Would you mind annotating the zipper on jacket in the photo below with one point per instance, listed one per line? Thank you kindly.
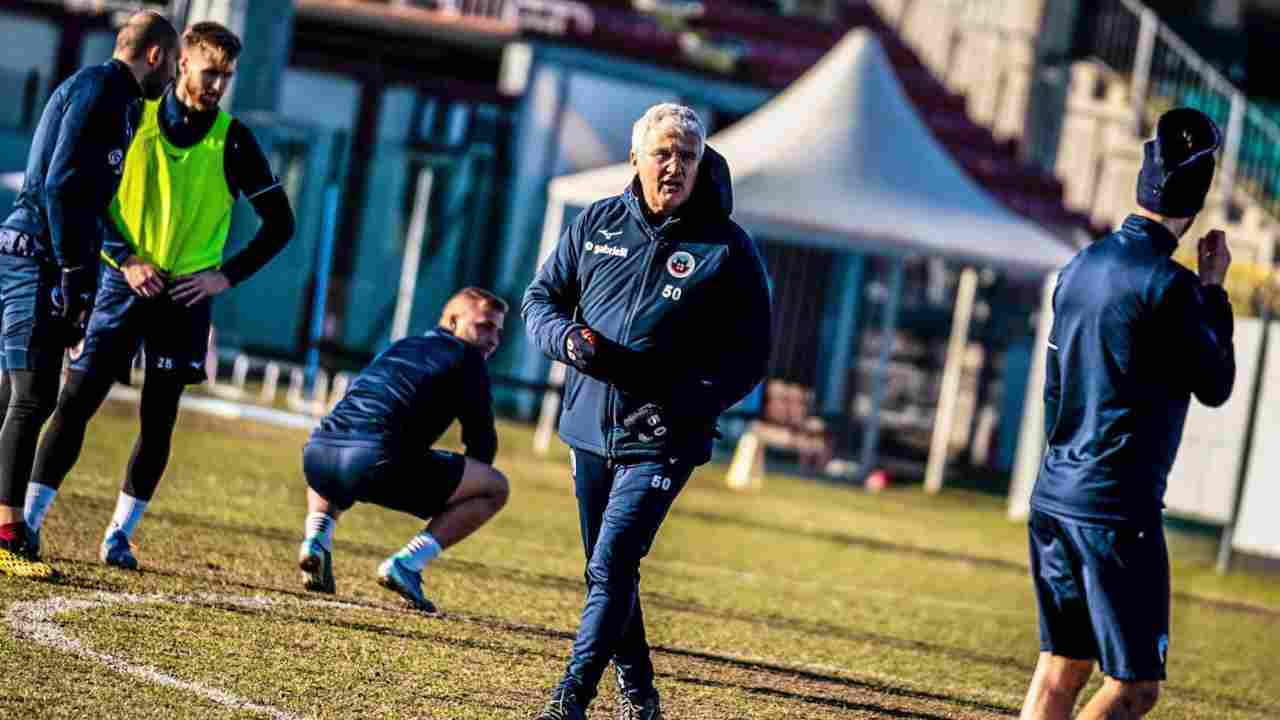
(626, 331)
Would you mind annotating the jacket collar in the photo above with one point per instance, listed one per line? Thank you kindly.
(1136, 227)
(124, 77)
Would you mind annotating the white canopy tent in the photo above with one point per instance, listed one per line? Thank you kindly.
(842, 160)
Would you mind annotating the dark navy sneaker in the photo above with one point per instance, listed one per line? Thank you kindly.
(635, 704)
(316, 564)
(115, 550)
(564, 705)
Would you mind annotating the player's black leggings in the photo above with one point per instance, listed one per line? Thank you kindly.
(80, 400)
(27, 398)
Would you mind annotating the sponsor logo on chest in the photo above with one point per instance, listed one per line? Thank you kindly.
(601, 249)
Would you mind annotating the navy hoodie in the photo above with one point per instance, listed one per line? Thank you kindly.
(1134, 336)
(413, 391)
(688, 298)
(76, 162)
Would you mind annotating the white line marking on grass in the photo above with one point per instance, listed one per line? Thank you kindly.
(37, 621)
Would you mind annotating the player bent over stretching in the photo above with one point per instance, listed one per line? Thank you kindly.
(375, 446)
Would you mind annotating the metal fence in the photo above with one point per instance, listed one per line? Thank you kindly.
(1166, 72)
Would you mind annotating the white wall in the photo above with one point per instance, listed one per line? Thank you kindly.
(1203, 482)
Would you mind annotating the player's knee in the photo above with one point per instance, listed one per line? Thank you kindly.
(611, 570)
(28, 403)
(1140, 698)
(1068, 679)
(499, 489)
(76, 402)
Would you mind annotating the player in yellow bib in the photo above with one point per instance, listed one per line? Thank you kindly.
(163, 265)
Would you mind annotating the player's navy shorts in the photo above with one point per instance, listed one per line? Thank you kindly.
(346, 470)
(32, 336)
(174, 337)
(1103, 594)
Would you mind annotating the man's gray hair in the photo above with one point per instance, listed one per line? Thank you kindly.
(664, 115)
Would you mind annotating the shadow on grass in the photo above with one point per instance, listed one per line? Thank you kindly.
(812, 628)
(848, 540)
(831, 702)
(783, 672)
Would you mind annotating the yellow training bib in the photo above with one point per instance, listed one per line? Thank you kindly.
(173, 206)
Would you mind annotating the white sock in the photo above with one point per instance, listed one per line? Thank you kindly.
(422, 549)
(128, 513)
(39, 500)
(320, 527)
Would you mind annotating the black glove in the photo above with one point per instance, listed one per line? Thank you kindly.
(588, 350)
(72, 300)
(646, 422)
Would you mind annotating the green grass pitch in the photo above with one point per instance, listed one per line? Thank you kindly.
(803, 600)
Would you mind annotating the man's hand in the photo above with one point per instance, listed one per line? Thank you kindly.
(647, 422)
(584, 347)
(144, 278)
(1215, 258)
(72, 300)
(192, 289)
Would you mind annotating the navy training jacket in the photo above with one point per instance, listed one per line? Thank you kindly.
(690, 298)
(1134, 335)
(75, 164)
(412, 391)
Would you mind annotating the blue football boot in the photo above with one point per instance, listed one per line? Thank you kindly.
(394, 576)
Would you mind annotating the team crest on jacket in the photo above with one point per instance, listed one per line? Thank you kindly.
(681, 264)
(114, 158)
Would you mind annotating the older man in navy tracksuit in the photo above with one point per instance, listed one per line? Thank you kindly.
(49, 247)
(1135, 335)
(660, 304)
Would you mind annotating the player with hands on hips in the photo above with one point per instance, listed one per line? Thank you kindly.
(163, 265)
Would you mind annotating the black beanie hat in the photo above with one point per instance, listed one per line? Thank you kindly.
(1178, 163)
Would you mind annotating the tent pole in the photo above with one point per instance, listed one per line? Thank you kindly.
(889, 328)
(531, 362)
(413, 240)
(1031, 439)
(952, 370)
(840, 355)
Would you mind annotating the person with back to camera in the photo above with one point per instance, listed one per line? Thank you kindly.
(1135, 335)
